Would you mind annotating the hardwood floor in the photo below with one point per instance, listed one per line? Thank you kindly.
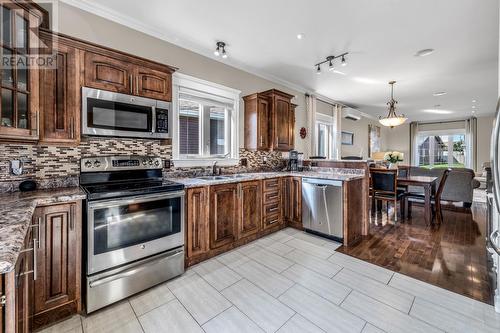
(452, 256)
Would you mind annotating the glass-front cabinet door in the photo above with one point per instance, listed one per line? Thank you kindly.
(19, 74)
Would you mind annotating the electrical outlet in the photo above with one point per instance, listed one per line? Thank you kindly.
(16, 167)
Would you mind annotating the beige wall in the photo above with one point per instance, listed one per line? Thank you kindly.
(84, 25)
(360, 130)
(484, 129)
(398, 138)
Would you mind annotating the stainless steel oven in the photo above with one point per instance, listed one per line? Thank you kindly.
(124, 230)
(106, 113)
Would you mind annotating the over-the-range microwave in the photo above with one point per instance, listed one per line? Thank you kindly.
(106, 113)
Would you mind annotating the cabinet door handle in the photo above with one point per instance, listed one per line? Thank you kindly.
(39, 227)
(130, 79)
(137, 85)
(72, 128)
(273, 221)
(261, 140)
(36, 245)
(273, 209)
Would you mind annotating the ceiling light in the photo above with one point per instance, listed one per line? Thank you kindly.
(473, 101)
(343, 62)
(365, 80)
(392, 119)
(220, 49)
(473, 106)
(424, 53)
(330, 66)
(300, 36)
(439, 93)
(318, 69)
(437, 111)
(330, 60)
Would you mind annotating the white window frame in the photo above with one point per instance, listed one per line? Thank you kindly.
(445, 132)
(186, 82)
(328, 121)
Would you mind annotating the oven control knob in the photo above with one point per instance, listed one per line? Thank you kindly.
(150, 162)
(97, 163)
(88, 164)
(144, 162)
(157, 163)
(143, 246)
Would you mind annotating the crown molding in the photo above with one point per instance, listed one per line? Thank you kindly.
(130, 22)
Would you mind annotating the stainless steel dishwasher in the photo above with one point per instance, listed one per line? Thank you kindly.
(322, 207)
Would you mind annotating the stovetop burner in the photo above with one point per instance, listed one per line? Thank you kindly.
(122, 176)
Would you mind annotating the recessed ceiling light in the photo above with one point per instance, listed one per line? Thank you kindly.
(300, 36)
(438, 111)
(473, 106)
(439, 93)
(366, 80)
(473, 101)
(424, 52)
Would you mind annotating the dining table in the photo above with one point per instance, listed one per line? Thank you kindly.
(428, 184)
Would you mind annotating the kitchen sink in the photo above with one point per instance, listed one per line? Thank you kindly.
(212, 177)
(236, 176)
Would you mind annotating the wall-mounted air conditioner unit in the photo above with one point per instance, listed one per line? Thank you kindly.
(351, 114)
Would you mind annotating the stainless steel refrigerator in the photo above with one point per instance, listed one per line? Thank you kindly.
(493, 202)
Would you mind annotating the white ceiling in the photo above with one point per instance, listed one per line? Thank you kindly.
(381, 36)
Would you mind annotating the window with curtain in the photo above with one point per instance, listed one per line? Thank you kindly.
(206, 123)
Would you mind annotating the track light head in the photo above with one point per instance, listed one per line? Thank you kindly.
(318, 69)
(330, 66)
(343, 62)
(220, 49)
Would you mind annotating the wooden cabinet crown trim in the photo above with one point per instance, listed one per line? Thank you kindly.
(107, 51)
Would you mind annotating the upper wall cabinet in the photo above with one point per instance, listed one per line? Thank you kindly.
(269, 121)
(60, 93)
(126, 75)
(19, 79)
(106, 73)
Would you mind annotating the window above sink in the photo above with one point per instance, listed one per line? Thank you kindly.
(205, 124)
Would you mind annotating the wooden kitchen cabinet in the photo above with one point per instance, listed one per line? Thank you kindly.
(250, 220)
(292, 201)
(197, 232)
(224, 214)
(128, 76)
(57, 287)
(17, 289)
(153, 84)
(60, 94)
(107, 73)
(269, 121)
(257, 121)
(19, 82)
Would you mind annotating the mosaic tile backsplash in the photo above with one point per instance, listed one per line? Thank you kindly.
(52, 166)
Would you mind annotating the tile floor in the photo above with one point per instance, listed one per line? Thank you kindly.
(290, 282)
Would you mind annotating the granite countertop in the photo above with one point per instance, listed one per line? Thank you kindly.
(324, 174)
(16, 212)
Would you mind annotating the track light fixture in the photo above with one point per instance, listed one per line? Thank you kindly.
(220, 50)
(330, 60)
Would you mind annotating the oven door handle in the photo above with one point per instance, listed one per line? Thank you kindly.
(134, 270)
(133, 200)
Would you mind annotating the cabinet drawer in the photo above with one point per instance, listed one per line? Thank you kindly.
(271, 184)
(272, 219)
(271, 197)
(272, 209)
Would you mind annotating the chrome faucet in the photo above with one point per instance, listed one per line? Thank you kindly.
(214, 169)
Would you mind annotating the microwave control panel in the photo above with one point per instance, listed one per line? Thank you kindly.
(161, 120)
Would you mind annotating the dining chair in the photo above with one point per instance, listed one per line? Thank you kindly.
(435, 198)
(385, 188)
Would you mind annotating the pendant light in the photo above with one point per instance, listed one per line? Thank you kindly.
(392, 119)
